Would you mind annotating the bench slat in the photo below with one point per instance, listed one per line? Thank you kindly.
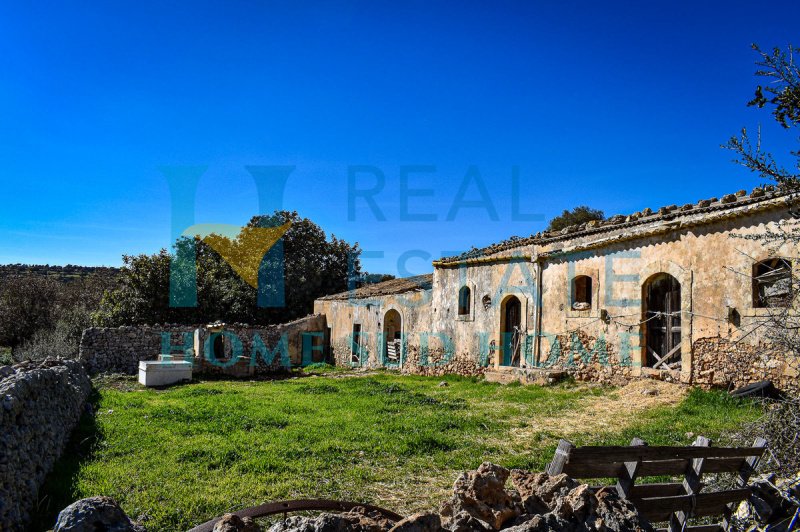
(600, 469)
(617, 453)
(661, 508)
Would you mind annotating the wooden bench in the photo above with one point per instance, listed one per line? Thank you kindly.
(672, 502)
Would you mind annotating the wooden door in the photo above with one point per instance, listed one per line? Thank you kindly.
(663, 325)
(511, 332)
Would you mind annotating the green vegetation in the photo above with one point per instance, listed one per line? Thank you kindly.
(5, 356)
(576, 216)
(189, 453)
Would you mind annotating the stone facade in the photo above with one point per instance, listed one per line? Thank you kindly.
(41, 405)
(246, 350)
(581, 298)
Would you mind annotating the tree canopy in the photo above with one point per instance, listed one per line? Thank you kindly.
(313, 265)
(578, 215)
(782, 97)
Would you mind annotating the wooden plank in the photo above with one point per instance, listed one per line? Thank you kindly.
(618, 453)
(656, 489)
(691, 485)
(702, 504)
(563, 452)
(746, 469)
(651, 468)
(667, 356)
(628, 472)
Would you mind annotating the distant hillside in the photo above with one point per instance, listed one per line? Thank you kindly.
(67, 273)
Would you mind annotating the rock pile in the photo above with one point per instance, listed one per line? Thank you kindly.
(481, 502)
(538, 502)
(40, 404)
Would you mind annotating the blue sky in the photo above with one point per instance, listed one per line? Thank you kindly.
(617, 105)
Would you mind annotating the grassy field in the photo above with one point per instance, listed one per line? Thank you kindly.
(189, 453)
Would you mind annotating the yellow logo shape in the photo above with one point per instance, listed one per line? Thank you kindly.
(241, 247)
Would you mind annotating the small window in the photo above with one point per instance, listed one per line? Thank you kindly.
(582, 292)
(772, 283)
(463, 301)
(355, 346)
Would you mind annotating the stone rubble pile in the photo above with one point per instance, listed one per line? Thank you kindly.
(481, 502)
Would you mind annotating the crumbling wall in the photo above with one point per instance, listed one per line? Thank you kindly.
(41, 405)
(721, 362)
(438, 362)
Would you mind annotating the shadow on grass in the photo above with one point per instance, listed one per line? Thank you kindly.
(60, 489)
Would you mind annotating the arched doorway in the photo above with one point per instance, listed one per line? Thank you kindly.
(392, 336)
(510, 331)
(662, 322)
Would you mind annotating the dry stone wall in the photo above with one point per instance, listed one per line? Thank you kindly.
(41, 405)
(120, 349)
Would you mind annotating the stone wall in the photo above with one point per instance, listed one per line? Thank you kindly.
(722, 363)
(120, 349)
(41, 405)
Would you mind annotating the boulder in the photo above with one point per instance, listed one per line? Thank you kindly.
(95, 513)
(482, 495)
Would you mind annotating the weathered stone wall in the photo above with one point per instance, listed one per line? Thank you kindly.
(263, 349)
(41, 405)
(414, 309)
(708, 248)
(120, 349)
(722, 363)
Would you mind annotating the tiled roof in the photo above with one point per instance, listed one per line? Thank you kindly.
(386, 288)
(728, 201)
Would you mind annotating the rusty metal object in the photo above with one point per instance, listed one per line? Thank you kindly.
(302, 505)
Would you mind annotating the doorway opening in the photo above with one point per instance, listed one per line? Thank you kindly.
(662, 316)
(510, 331)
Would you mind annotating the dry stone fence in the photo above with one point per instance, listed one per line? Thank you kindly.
(261, 349)
(41, 405)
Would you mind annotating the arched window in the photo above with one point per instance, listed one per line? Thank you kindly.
(582, 292)
(772, 283)
(463, 301)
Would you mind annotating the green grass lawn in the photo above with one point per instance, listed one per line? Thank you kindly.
(189, 453)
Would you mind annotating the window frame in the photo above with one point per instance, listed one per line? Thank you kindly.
(756, 302)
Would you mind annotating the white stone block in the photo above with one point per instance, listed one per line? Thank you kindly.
(162, 373)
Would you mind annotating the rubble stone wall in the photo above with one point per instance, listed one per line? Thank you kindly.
(41, 405)
(120, 349)
(722, 363)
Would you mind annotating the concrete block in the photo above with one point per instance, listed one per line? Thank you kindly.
(163, 373)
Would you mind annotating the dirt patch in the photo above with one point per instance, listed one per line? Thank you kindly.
(605, 413)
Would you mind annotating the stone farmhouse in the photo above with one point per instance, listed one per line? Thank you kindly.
(681, 293)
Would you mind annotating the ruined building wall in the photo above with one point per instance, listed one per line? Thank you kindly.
(413, 307)
(711, 256)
